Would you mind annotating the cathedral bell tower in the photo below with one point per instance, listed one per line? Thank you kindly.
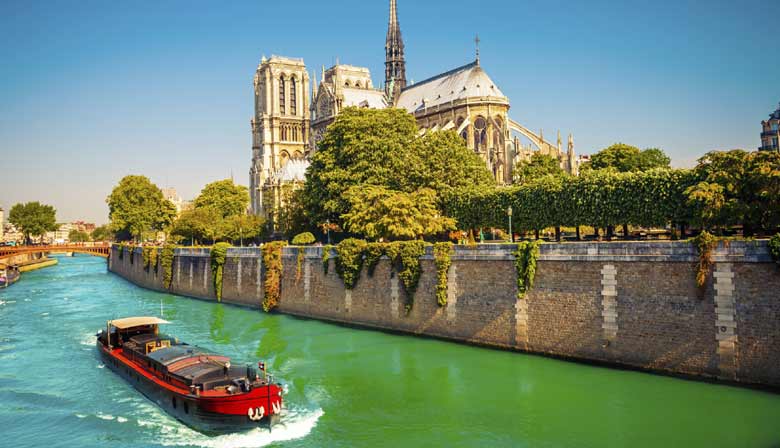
(395, 64)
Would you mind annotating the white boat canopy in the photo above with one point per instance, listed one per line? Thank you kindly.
(130, 322)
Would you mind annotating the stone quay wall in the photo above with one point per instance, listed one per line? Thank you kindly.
(630, 304)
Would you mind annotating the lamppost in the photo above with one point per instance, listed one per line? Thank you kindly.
(509, 214)
(327, 230)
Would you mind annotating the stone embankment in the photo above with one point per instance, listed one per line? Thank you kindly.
(629, 304)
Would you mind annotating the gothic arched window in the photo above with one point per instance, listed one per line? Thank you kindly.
(480, 134)
(281, 94)
(293, 95)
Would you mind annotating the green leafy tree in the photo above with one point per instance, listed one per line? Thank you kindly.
(652, 158)
(626, 158)
(225, 197)
(137, 207)
(77, 236)
(737, 187)
(198, 225)
(102, 233)
(33, 219)
(540, 165)
(380, 213)
(382, 148)
(242, 228)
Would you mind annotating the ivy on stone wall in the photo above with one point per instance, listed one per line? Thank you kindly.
(374, 253)
(149, 257)
(349, 262)
(705, 243)
(526, 255)
(774, 248)
(272, 260)
(218, 257)
(166, 261)
(405, 256)
(299, 268)
(442, 255)
(326, 257)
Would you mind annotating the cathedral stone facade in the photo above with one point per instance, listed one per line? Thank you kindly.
(287, 126)
(770, 132)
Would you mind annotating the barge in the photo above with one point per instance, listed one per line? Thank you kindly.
(201, 389)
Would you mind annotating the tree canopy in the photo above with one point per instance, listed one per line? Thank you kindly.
(77, 236)
(737, 187)
(380, 213)
(225, 197)
(33, 219)
(382, 148)
(102, 233)
(540, 165)
(626, 158)
(137, 206)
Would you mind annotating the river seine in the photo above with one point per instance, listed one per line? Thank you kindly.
(348, 387)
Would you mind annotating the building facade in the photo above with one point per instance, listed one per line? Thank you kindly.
(770, 132)
(2, 223)
(464, 100)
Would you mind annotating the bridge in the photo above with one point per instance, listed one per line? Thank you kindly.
(96, 249)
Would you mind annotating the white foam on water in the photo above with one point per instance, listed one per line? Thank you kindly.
(105, 416)
(294, 425)
(121, 420)
(88, 339)
(81, 416)
(101, 366)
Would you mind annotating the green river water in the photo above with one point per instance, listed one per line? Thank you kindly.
(348, 387)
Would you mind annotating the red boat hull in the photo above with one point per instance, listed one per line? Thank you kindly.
(211, 414)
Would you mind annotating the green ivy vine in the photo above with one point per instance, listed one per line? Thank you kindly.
(774, 248)
(166, 261)
(218, 257)
(272, 260)
(405, 256)
(705, 243)
(349, 262)
(326, 257)
(442, 253)
(374, 253)
(526, 255)
(299, 268)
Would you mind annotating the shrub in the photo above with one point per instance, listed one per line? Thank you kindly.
(774, 248)
(303, 239)
(705, 243)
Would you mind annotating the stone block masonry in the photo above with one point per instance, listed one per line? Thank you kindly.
(628, 304)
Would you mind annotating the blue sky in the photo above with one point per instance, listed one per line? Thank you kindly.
(94, 90)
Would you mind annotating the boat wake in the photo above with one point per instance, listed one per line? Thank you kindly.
(295, 424)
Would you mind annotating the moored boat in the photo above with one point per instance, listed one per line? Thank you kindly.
(197, 387)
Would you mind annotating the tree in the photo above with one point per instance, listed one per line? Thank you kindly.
(241, 228)
(137, 206)
(626, 158)
(652, 158)
(382, 148)
(737, 187)
(540, 165)
(198, 225)
(77, 236)
(224, 196)
(33, 219)
(102, 233)
(380, 213)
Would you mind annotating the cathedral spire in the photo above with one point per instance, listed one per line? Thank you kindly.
(395, 64)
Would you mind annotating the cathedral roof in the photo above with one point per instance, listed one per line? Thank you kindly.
(292, 171)
(370, 98)
(468, 81)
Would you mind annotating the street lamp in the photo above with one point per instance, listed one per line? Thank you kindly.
(509, 214)
(327, 230)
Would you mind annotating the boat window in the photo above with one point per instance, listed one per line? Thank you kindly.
(186, 408)
(173, 401)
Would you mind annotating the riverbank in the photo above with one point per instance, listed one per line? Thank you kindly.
(632, 305)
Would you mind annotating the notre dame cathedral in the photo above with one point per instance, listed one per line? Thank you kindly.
(290, 119)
